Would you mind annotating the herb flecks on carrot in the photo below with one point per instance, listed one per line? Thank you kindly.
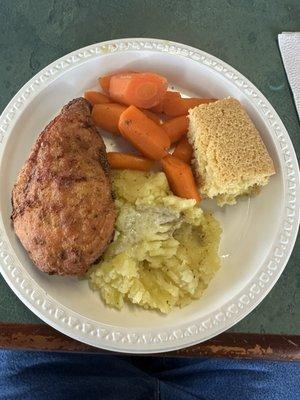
(107, 116)
(143, 90)
(96, 97)
(144, 134)
(183, 150)
(176, 128)
(180, 178)
(180, 106)
(128, 161)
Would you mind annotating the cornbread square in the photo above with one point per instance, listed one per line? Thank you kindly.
(230, 158)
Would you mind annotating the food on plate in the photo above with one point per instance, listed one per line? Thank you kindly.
(178, 106)
(155, 117)
(183, 150)
(63, 211)
(104, 82)
(107, 116)
(156, 247)
(96, 97)
(176, 127)
(144, 134)
(230, 158)
(159, 108)
(128, 161)
(142, 89)
(146, 96)
(165, 250)
(180, 178)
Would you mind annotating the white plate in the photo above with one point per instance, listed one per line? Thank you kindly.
(258, 234)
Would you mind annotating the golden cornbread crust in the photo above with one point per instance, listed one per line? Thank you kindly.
(230, 158)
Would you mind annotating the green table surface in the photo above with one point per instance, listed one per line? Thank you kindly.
(242, 33)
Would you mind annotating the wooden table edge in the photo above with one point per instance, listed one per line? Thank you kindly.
(41, 337)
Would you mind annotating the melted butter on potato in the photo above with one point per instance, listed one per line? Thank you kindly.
(165, 249)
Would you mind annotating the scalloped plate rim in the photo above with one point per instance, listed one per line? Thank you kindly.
(130, 337)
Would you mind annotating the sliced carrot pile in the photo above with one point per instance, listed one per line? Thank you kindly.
(128, 161)
(132, 108)
(144, 134)
(104, 82)
(143, 90)
(183, 150)
(178, 106)
(180, 178)
(176, 128)
(96, 97)
(152, 115)
(168, 96)
(107, 116)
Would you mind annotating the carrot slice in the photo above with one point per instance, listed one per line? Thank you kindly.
(96, 97)
(128, 161)
(144, 134)
(183, 150)
(104, 82)
(152, 115)
(178, 106)
(144, 90)
(107, 116)
(168, 95)
(180, 178)
(176, 128)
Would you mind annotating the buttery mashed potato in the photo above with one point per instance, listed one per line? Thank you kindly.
(164, 253)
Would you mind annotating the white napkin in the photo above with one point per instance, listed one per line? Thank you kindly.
(289, 45)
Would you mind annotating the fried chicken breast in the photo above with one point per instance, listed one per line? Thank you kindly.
(63, 210)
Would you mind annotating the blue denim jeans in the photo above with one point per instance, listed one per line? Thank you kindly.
(59, 376)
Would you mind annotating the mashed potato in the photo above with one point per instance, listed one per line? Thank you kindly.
(164, 252)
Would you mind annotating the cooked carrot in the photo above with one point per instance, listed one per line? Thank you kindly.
(176, 128)
(180, 178)
(96, 97)
(168, 95)
(183, 150)
(178, 106)
(104, 82)
(144, 134)
(143, 90)
(129, 161)
(107, 116)
(152, 115)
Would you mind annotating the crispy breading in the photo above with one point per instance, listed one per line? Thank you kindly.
(63, 210)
